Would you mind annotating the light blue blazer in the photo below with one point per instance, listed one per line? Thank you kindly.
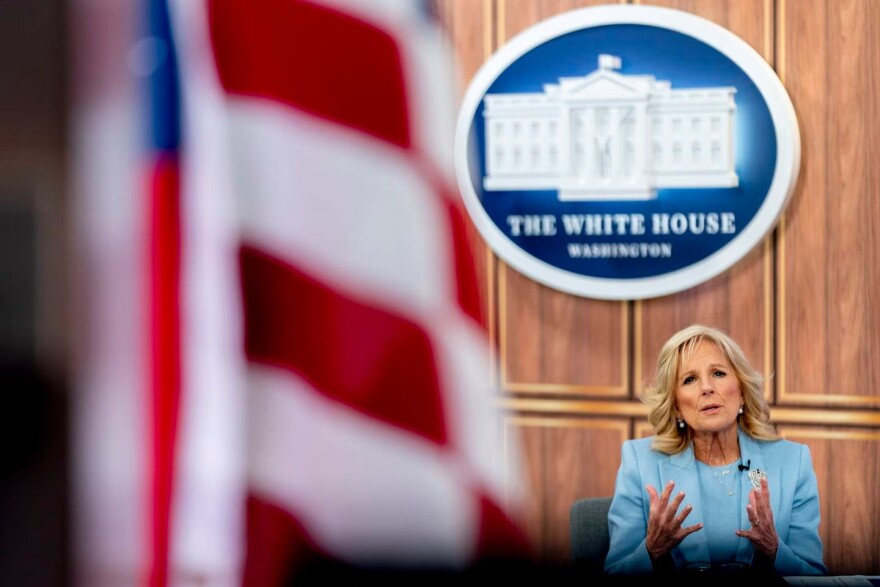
(794, 498)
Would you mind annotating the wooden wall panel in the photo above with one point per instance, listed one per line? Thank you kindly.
(748, 19)
(564, 459)
(847, 464)
(514, 16)
(643, 429)
(470, 28)
(829, 282)
(740, 300)
(549, 341)
(557, 343)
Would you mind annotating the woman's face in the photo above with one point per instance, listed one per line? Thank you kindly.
(707, 391)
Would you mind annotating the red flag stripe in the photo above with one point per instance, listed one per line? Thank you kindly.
(500, 536)
(369, 359)
(467, 290)
(284, 545)
(313, 58)
(164, 351)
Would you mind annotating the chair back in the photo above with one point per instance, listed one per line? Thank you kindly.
(588, 532)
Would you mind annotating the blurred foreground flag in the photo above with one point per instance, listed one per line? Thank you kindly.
(283, 357)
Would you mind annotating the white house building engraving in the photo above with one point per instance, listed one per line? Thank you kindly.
(607, 136)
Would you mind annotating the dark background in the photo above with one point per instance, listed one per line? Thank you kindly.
(34, 509)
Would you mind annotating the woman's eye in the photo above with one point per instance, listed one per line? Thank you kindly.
(720, 374)
(689, 379)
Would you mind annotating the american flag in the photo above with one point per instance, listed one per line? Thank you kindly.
(293, 365)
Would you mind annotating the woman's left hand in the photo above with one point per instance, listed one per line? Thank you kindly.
(763, 531)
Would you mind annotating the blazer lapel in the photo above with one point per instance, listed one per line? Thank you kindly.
(751, 455)
(682, 469)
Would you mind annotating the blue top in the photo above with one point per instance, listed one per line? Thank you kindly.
(794, 499)
(719, 491)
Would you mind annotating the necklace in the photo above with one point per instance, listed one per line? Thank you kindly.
(721, 475)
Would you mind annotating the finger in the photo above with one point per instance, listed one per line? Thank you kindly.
(753, 499)
(655, 510)
(663, 499)
(757, 521)
(667, 491)
(653, 498)
(684, 513)
(752, 515)
(764, 501)
(691, 529)
(761, 506)
(677, 500)
(758, 506)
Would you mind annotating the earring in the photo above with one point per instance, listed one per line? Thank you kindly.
(740, 410)
(680, 422)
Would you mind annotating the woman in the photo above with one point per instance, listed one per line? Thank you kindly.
(750, 499)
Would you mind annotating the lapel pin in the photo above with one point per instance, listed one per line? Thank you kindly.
(755, 476)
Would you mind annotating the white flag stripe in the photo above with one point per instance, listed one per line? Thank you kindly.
(473, 417)
(384, 14)
(345, 208)
(431, 84)
(369, 493)
(210, 480)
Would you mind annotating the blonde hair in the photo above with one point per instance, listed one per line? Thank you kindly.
(660, 394)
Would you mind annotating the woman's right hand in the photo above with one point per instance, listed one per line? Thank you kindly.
(665, 524)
